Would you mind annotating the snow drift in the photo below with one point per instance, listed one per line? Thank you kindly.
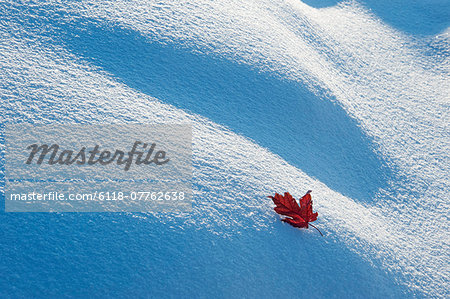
(283, 96)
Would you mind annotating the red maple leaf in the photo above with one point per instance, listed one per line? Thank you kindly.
(297, 216)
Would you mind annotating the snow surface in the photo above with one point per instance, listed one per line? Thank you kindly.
(342, 97)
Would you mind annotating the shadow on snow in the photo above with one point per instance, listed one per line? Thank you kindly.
(307, 130)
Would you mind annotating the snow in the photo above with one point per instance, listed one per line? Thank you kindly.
(339, 97)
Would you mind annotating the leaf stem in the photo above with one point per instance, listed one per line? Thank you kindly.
(317, 229)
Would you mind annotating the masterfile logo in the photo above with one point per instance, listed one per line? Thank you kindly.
(94, 156)
(95, 168)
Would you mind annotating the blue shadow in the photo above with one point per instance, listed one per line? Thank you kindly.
(416, 17)
(321, 3)
(307, 130)
(111, 255)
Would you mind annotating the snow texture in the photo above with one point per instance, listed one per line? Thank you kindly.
(341, 97)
